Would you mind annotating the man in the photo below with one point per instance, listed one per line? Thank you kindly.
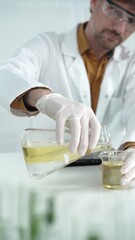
(61, 76)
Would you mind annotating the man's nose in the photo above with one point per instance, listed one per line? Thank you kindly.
(120, 26)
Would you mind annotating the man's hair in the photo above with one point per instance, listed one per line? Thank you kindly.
(129, 2)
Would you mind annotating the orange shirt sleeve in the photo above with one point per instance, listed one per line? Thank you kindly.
(18, 104)
(127, 145)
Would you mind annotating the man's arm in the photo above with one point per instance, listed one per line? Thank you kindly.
(81, 120)
(31, 97)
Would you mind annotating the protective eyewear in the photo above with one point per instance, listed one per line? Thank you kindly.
(118, 14)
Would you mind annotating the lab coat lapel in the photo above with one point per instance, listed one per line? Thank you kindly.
(75, 67)
(107, 88)
(111, 79)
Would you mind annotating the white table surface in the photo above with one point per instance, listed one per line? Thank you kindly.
(14, 171)
(80, 200)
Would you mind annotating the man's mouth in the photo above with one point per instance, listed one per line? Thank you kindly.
(114, 36)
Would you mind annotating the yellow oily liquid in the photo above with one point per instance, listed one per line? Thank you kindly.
(111, 175)
(102, 147)
(46, 158)
(53, 152)
(44, 154)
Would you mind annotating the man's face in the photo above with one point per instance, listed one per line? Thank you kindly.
(110, 24)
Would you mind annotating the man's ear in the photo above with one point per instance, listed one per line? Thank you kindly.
(93, 3)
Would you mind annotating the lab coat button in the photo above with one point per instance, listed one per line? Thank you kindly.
(106, 96)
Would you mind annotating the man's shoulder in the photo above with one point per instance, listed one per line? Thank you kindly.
(51, 35)
(63, 42)
(66, 41)
(124, 52)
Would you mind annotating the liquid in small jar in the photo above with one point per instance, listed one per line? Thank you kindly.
(111, 175)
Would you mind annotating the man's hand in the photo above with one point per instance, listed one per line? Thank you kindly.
(84, 126)
(128, 168)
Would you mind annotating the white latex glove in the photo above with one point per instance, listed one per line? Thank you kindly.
(128, 168)
(84, 126)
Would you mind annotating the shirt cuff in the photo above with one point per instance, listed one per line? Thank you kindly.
(19, 105)
(126, 145)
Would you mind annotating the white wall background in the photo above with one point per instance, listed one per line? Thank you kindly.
(20, 20)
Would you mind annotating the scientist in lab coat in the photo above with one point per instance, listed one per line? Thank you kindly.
(80, 79)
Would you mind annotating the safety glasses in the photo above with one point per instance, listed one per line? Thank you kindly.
(118, 14)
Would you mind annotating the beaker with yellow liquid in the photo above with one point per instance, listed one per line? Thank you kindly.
(112, 162)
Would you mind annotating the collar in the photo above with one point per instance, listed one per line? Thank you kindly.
(83, 44)
(69, 45)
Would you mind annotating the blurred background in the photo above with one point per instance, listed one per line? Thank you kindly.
(20, 21)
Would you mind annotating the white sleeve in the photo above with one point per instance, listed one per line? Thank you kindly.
(22, 71)
(129, 105)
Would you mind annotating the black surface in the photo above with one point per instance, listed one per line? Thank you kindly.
(88, 160)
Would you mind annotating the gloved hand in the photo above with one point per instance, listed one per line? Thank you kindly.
(128, 168)
(84, 126)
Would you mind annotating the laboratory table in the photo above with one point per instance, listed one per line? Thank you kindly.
(13, 169)
(68, 204)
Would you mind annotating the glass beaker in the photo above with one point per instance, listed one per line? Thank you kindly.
(104, 142)
(42, 154)
(112, 162)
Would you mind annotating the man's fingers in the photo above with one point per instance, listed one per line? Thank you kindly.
(75, 134)
(127, 178)
(60, 128)
(83, 125)
(94, 131)
(84, 136)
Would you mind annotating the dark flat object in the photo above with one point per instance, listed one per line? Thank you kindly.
(87, 160)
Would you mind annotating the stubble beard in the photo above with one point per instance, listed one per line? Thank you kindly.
(107, 43)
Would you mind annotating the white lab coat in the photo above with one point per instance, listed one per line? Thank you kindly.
(53, 60)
